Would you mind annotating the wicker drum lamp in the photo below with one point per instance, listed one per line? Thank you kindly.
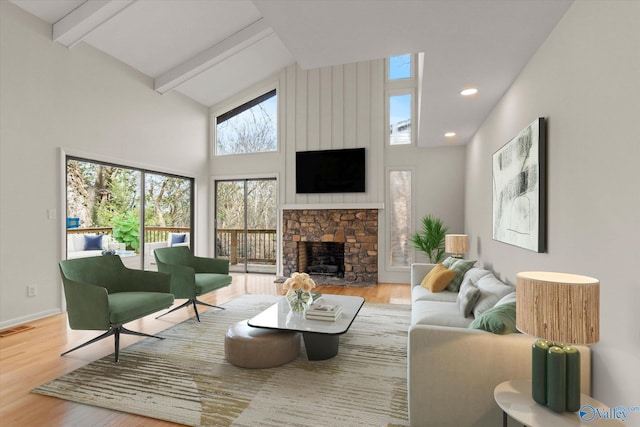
(456, 244)
(561, 309)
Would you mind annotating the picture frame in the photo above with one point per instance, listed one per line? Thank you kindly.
(520, 189)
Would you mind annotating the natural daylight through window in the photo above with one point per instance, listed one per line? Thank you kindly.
(249, 128)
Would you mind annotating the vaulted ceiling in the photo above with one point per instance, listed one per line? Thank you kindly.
(209, 50)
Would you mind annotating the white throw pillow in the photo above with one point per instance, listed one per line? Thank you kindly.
(507, 299)
(491, 291)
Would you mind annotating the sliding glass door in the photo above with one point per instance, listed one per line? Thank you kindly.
(113, 209)
(245, 224)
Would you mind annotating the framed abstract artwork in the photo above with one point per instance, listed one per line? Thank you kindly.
(519, 189)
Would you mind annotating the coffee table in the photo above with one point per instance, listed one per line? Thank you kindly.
(321, 338)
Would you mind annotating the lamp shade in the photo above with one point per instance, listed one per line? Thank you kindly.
(456, 243)
(558, 307)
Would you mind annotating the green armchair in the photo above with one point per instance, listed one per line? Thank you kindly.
(192, 276)
(102, 294)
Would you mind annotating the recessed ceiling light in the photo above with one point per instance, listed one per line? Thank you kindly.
(469, 91)
(450, 134)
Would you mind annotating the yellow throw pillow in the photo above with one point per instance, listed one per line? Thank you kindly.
(438, 278)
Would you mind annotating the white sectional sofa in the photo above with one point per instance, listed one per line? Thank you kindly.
(452, 369)
(76, 245)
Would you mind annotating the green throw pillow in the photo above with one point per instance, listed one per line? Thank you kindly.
(460, 266)
(500, 319)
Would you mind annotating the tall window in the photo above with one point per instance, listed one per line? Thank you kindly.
(401, 88)
(400, 218)
(249, 128)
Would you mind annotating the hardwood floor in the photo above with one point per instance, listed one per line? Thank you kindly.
(32, 357)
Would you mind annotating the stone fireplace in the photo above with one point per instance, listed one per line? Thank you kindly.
(335, 246)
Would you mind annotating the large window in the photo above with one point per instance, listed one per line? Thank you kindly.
(125, 210)
(401, 85)
(400, 218)
(249, 128)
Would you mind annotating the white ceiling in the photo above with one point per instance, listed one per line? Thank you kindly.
(211, 49)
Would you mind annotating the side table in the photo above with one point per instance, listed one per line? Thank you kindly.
(514, 398)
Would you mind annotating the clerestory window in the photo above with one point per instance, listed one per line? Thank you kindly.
(249, 128)
(401, 83)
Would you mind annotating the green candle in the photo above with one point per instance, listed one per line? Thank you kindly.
(539, 351)
(556, 379)
(573, 378)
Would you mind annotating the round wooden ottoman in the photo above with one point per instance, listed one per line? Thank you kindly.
(259, 348)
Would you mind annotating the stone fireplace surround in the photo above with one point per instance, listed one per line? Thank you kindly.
(356, 228)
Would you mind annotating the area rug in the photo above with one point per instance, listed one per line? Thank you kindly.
(186, 379)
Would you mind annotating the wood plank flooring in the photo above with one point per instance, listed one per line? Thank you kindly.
(32, 357)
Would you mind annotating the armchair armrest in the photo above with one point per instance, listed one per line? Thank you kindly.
(183, 279)
(210, 265)
(87, 305)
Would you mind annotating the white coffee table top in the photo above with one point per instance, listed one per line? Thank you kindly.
(279, 316)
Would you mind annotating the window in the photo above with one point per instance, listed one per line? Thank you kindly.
(135, 211)
(249, 128)
(400, 218)
(400, 94)
(400, 67)
(400, 107)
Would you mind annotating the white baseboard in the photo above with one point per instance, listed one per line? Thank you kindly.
(24, 319)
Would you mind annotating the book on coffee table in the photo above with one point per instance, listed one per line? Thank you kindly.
(322, 311)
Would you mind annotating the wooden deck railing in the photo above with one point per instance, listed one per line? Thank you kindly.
(261, 244)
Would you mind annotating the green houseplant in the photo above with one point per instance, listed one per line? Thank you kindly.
(430, 239)
(126, 229)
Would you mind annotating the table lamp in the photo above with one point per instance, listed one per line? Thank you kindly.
(456, 244)
(561, 309)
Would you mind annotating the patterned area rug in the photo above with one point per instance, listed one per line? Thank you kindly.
(186, 379)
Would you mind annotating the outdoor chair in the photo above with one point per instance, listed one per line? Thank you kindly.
(102, 294)
(192, 276)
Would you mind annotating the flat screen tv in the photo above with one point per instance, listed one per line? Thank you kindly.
(330, 171)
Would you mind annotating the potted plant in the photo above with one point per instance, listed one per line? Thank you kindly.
(431, 239)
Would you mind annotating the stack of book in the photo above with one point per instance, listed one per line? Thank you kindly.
(323, 311)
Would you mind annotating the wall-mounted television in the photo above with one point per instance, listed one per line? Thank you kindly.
(330, 171)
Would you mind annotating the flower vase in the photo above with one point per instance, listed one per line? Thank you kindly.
(299, 300)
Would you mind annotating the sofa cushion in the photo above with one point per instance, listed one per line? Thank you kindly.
(438, 313)
(460, 266)
(420, 293)
(467, 297)
(92, 242)
(474, 274)
(438, 278)
(491, 291)
(500, 319)
(507, 299)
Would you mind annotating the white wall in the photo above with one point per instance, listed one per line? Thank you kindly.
(82, 101)
(584, 79)
(343, 107)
